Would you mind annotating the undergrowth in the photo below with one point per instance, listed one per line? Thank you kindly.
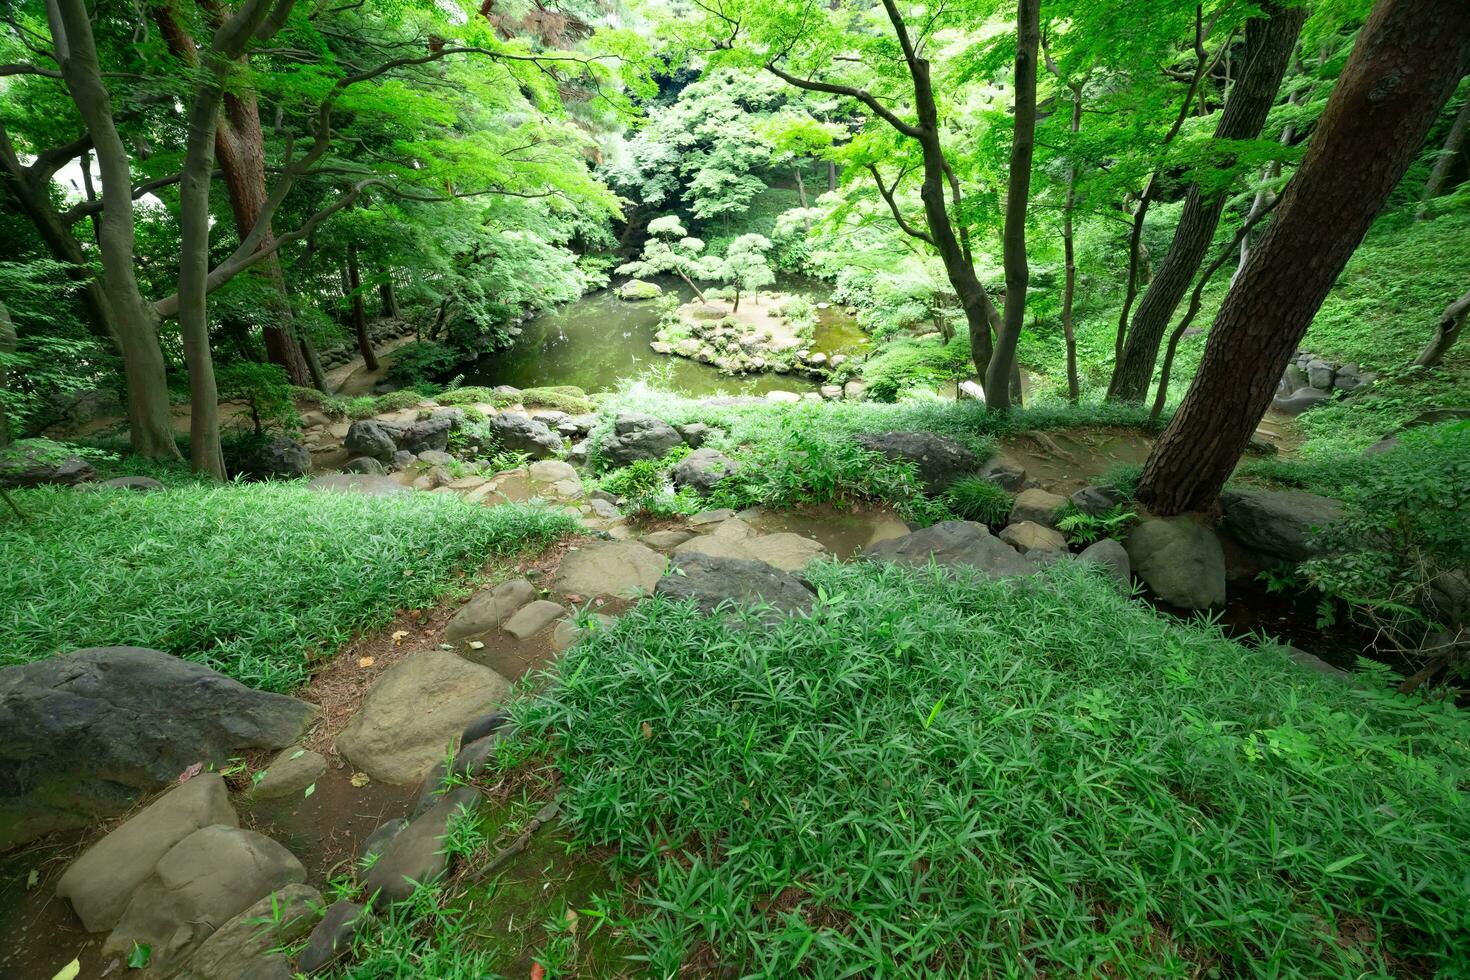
(255, 580)
(938, 775)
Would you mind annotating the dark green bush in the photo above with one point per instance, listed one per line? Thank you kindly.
(422, 361)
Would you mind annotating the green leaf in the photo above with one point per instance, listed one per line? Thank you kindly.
(139, 957)
(309, 790)
(1337, 866)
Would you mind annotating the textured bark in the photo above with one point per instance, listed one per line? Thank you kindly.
(133, 320)
(1018, 197)
(1446, 332)
(1454, 143)
(389, 298)
(1405, 63)
(359, 314)
(239, 146)
(1269, 42)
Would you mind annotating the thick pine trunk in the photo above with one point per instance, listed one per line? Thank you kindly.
(1406, 62)
(1453, 144)
(134, 319)
(1269, 43)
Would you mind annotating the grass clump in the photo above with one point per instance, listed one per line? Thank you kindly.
(953, 776)
(253, 580)
(974, 499)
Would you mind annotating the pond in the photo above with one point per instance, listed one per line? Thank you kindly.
(600, 340)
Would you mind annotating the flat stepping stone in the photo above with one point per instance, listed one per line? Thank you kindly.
(1028, 536)
(666, 540)
(532, 619)
(625, 569)
(553, 471)
(289, 773)
(708, 518)
(712, 580)
(415, 711)
(954, 543)
(489, 609)
(737, 539)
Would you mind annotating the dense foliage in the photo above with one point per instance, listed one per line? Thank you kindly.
(978, 777)
(256, 581)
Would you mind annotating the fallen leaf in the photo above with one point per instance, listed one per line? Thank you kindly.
(398, 636)
(647, 730)
(360, 779)
(139, 957)
(538, 972)
(191, 772)
(33, 879)
(309, 790)
(476, 645)
(297, 754)
(70, 972)
(365, 661)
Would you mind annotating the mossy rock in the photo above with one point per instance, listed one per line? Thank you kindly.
(636, 290)
(563, 398)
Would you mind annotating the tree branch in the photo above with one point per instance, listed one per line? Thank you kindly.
(887, 193)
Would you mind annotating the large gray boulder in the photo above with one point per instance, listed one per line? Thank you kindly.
(84, 735)
(432, 434)
(30, 468)
(256, 943)
(938, 460)
(278, 458)
(203, 882)
(1004, 472)
(100, 883)
(520, 434)
(954, 543)
(1299, 401)
(1277, 523)
(710, 581)
(702, 469)
(1180, 561)
(371, 438)
(737, 539)
(637, 436)
(415, 711)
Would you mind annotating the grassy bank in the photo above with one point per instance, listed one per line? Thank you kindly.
(973, 778)
(253, 579)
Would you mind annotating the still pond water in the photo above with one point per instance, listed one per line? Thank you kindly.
(600, 340)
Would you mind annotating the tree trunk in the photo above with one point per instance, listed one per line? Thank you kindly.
(1069, 257)
(359, 315)
(1405, 63)
(134, 319)
(8, 344)
(240, 150)
(1018, 194)
(389, 298)
(1453, 143)
(831, 175)
(800, 184)
(1269, 42)
(314, 365)
(1446, 332)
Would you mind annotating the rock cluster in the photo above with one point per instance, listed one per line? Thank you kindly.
(1310, 380)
